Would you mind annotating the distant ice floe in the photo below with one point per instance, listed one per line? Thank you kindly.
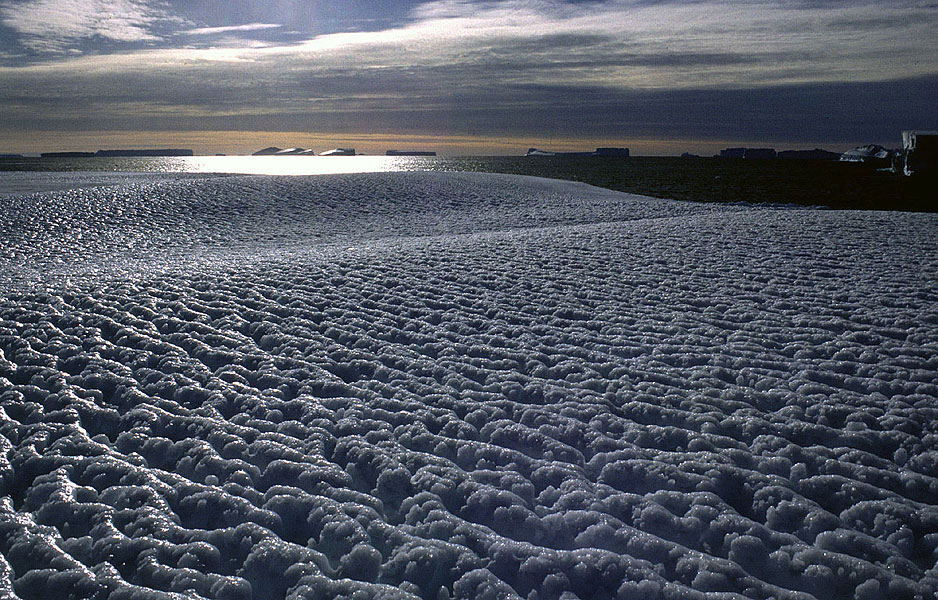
(438, 385)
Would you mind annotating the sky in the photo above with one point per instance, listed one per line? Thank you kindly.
(463, 76)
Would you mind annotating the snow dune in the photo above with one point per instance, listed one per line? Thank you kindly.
(437, 385)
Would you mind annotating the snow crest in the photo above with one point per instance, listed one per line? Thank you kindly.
(444, 385)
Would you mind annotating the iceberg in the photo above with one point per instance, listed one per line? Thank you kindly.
(748, 153)
(816, 154)
(608, 151)
(409, 153)
(760, 153)
(67, 155)
(537, 152)
(620, 152)
(919, 153)
(339, 152)
(270, 150)
(872, 154)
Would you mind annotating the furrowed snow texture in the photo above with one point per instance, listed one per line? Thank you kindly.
(462, 385)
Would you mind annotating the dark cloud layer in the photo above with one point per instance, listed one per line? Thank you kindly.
(780, 70)
(838, 112)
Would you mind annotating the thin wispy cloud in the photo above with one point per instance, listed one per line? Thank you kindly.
(55, 25)
(619, 43)
(635, 44)
(232, 29)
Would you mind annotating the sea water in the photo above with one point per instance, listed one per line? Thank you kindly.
(804, 182)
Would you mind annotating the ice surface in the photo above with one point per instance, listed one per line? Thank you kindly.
(149, 224)
(28, 182)
(416, 385)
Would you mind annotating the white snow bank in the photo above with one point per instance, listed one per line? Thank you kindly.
(583, 394)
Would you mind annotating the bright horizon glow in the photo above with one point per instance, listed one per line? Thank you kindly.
(293, 165)
(244, 143)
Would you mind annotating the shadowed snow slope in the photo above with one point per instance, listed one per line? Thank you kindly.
(418, 385)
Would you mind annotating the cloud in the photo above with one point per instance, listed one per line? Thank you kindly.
(619, 43)
(455, 66)
(640, 44)
(54, 25)
(232, 29)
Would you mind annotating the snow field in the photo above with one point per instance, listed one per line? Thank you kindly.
(152, 224)
(462, 385)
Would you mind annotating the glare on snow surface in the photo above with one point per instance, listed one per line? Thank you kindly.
(433, 385)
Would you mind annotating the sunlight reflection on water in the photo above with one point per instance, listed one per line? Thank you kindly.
(294, 165)
(33, 174)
